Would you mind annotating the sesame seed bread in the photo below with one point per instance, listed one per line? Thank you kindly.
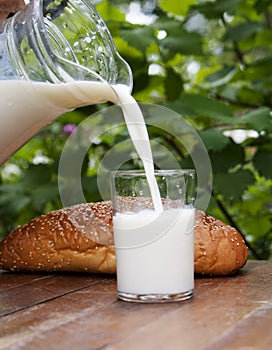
(219, 248)
(80, 239)
(63, 240)
(7, 7)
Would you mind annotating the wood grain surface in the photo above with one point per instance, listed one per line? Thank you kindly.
(65, 311)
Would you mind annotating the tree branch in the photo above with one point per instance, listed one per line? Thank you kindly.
(238, 103)
(268, 21)
(238, 52)
(234, 224)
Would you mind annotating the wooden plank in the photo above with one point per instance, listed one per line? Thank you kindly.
(40, 290)
(10, 280)
(91, 318)
(253, 332)
(22, 326)
(209, 316)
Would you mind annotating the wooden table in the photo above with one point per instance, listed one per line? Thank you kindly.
(58, 311)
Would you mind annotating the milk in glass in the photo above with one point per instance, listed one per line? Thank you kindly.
(164, 263)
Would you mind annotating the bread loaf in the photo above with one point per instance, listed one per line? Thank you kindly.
(219, 248)
(7, 7)
(80, 238)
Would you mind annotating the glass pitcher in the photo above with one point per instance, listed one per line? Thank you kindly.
(55, 55)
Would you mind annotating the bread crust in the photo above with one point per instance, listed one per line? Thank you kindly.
(219, 248)
(80, 239)
(8, 7)
(63, 240)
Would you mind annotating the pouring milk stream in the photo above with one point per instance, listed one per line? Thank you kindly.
(42, 77)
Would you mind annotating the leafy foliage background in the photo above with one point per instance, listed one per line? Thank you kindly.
(211, 61)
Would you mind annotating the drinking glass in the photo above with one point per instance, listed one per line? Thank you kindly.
(154, 249)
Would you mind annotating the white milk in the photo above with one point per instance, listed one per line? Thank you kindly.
(27, 107)
(137, 130)
(155, 265)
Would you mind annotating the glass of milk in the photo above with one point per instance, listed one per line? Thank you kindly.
(154, 248)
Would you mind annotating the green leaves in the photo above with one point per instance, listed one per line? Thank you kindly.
(262, 161)
(173, 85)
(177, 39)
(183, 42)
(214, 139)
(228, 158)
(140, 37)
(259, 119)
(240, 181)
(216, 9)
(12, 200)
(39, 185)
(176, 7)
(194, 105)
(243, 31)
(221, 113)
(34, 194)
(110, 12)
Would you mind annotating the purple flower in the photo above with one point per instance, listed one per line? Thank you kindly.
(69, 128)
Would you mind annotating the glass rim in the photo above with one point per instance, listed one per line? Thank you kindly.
(160, 172)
